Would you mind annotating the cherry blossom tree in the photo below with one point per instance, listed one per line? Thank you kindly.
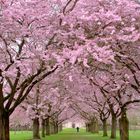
(24, 59)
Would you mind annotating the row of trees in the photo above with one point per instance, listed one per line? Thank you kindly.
(46, 106)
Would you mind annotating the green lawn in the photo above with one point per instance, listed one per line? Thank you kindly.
(71, 134)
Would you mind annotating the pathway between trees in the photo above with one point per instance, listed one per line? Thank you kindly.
(71, 134)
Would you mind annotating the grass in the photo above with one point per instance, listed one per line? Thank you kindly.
(71, 134)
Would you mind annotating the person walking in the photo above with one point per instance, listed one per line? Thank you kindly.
(78, 129)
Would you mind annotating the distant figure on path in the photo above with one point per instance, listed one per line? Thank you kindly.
(77, 128)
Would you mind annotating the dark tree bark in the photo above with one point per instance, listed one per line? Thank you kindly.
(113, 127)
(4, 117)
(104, 128)
(48, 126)
(43, 127)
(88, 128)
(124, 126)
(36, 134)
(56, 128)
(4, 126)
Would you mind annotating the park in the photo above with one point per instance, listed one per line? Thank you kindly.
(69, 70)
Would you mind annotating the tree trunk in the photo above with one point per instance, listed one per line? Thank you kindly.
(73, 125)
(88, 127)
(36, 135)
(124, 127)
(43, 128)
(48, 126)
(4, 126)
(56, 128)
(60, 128)
(104, 128)
(94, 126)
(113, 127)
(52, 129)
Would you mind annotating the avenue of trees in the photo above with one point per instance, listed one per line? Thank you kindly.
(60, 58)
